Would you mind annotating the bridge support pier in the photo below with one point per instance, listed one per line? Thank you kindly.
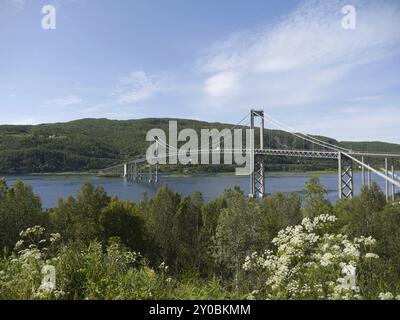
(362, 173)
(258, 178)
(257, 174)
(156, 165)
(125, 170)
(150, 174)
(386, 181)
(369, 178)
(133, 171)
(393, 186)
(345, 175)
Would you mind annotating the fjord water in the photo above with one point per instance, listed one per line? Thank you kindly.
(52, 188)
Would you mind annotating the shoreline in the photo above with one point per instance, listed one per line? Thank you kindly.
(177, 175)
(174, 174)
(273, 173)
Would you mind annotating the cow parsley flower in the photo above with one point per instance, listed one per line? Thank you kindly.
(296, 269)
(386, 296)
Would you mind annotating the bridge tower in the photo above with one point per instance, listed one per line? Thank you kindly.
(125, 174)
(257, 175)
(345, 175)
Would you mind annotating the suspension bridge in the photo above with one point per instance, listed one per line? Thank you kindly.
(141, 170)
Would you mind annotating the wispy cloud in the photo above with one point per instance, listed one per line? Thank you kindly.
(12, 6)
(367, 124)
(19, 4)
(300, 59)
(63, 102)
(23, 121)
(137, 86)
(222, 83)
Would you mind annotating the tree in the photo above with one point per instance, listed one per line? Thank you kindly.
(188, 221)
(384, 274)
(241, 230)
(20, 208)
(315, 202)
(357, 215)
(386, 229)
(119, 219)
(209, 216)
(281, 211)
(78, 218)
(161, 224)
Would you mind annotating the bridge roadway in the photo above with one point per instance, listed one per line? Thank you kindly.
(319, 154)
(345, 171)
(285, 153)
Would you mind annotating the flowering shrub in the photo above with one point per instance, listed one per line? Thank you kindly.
(388, 296)
(40, 268)
(22, 274)
(310, 262)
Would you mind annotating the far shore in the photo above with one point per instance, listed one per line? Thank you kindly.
(175, 174)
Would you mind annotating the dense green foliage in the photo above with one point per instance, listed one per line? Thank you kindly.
(174, 247)
(92, 144)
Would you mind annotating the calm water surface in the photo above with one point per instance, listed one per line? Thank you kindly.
(51, 188)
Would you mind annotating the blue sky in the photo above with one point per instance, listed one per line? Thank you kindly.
(208, 60)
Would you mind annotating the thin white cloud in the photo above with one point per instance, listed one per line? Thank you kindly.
(221, 83)
(63, 102)
(300, 59)
(368, 124)
(19, 4)
(23, 121)
(137, 86)
(12, 6)
(15, 6)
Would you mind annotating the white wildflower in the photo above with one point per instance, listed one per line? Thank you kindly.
(326, 259)
(386, 296)
(301, 254)
(19, 244)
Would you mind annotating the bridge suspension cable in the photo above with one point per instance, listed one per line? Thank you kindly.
(305, 136)
(168, 146)
(299, 135)
(384, 176)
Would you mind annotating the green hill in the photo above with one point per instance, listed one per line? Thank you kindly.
(91, 144)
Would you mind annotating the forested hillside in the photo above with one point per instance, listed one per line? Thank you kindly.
(91, 144)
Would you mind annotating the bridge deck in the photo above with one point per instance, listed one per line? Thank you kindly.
(298, 153)
(283, 153)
